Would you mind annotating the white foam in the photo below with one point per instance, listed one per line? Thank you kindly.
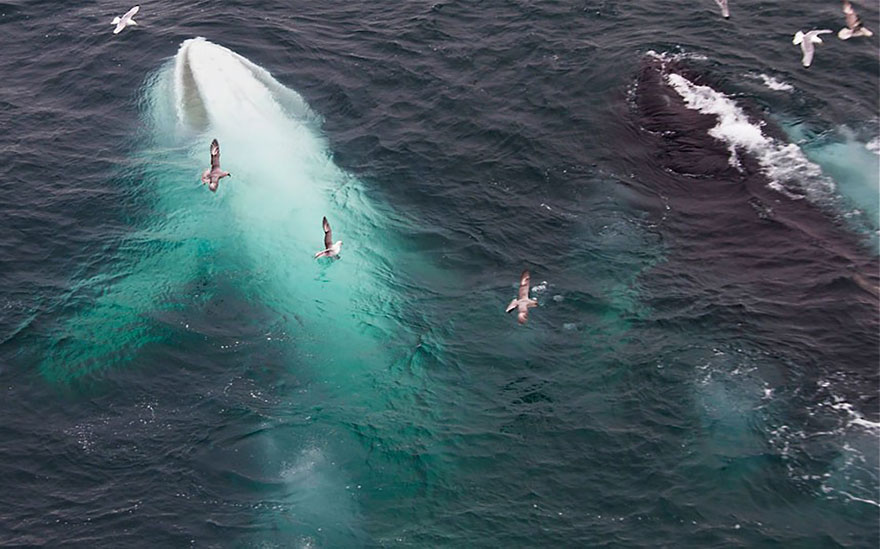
(774, 83)
(862, 500)
(666, 56)
(855, 417)
(874, 145)
(788, 169)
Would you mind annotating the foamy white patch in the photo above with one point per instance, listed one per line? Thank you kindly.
(774, 83)
(874, 145)
(789, 170)
(666, 56)
(539, 288)
(855, 417)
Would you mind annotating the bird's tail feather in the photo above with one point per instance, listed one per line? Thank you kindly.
(115, 21)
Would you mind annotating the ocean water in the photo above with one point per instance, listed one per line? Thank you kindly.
(698, 211)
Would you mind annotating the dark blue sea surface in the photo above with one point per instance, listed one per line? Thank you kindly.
(698, 211)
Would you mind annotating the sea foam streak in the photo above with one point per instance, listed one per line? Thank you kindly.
(774, 83)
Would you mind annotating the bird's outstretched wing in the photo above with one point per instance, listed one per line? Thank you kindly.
(524, 280)
(852, 18)
(215, 155)
(725, 12)
(328, 234)
(130, 13)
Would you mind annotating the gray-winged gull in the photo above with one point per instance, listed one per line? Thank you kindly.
(853, 24)
(807, 41)
(125, 21)
(522, 302)
(212, 176)
(331, 249)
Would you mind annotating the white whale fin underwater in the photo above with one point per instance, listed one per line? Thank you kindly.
(259, 232)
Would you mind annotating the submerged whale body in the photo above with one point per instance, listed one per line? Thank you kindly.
(284, 173)
(245, 253)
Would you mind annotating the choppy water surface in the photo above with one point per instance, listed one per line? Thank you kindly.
(699, 214)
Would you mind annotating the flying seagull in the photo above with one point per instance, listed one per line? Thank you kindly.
(331, 249)
(806, 40)
(125, 20)
(522, 302)
(853, 24)
(725, 12)
(212, 176)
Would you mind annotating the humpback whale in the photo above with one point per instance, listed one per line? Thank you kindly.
(758, 255)
(194, 257)
(755, 232)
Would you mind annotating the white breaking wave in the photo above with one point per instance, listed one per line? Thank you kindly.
(789, 170)
(874, 145)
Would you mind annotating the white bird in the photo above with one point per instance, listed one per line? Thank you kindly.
(853, 24)
(125, 21)
(212, 176)
(331, 249)
(522, 302)
(725, 12)
(806, 40)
